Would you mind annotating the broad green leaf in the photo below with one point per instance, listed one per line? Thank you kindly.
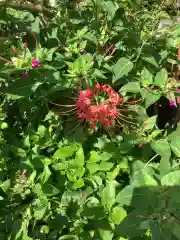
(146, 77)
(50, 190)
(79, 158)
(6, 185)
(16, 232)
(111, 8)
(176, 230)
(35, 26)
(150, 123)
(143, 179)
(99, 74)
(78, 184)
(112, 175)
(105, 156)
(125, 196)
(150, 97)
(121, 68)
(150, 59)
(132, 87)
(164, 166)
(92, 167)
(130, 226)
(162, 148)
(172, 178)
(105, 166)
(161, 78)
(105, 234)
(175, 146)
(44, 176)
(108, 195)
(50, 53)
(64, 152)
(94, 157)
(118, 214)
(68, 237)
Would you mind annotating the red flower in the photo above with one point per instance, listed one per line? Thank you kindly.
(145, 123)
(25, 75)
(140, 145)
(25, 44)
(99, 106)
(83, 51)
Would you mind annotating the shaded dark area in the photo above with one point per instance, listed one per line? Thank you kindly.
(154, 208)
(168, 116)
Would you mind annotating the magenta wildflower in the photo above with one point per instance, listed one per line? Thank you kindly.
(35, 63)
(172, 103)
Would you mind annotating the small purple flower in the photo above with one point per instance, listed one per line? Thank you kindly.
(83, 52)
(35, 63)
(172, 103)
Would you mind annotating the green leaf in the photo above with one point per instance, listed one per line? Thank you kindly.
(49, 190)
(132, 87)
(162, 148)
(176, 230)
(111, 7)
(161, 78)
(172, 178)
(108, 195)
(64, 152)
(143, 179)
(44, 176)
(130, 226)
(78, 184)
(105, 166)
(118, 214)
(79, 158)
(146, 77)
(35, 26)
(151, 122)
(50, 53)
(150, 97)
(112, 175)
(150, 59)
(92, 167)
(68, 237)
(175, 146)
(125, 196)
(121, 68)
(94, 157)
(164, 166)
(105, 156)
(99, 74)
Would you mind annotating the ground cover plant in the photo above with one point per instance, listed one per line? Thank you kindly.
(89, 120)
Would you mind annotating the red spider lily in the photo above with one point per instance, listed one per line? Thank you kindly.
(99, 106)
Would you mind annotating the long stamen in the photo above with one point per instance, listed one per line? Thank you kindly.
(74, 128)
(5, 60)
(121, 118)
(15, 50)
(59, 105)
(35, 39)
(25, 52)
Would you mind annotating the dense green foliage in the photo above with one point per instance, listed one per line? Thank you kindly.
(58, 178)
